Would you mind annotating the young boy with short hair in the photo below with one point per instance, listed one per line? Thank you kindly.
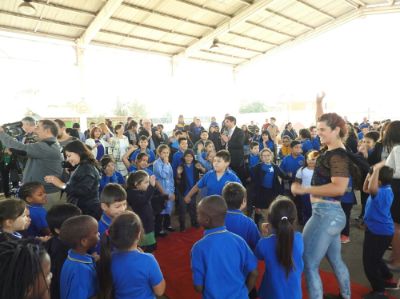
(78, 274)
(223, 265)
(291, 163)
(235, 221)
(379, 230)
(57, 250)
(177, 157)
(215, 180)
(113, 202)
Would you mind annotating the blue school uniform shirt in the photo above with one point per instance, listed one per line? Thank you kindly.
(268, 180)
(104, 223)
(176, 160)
(38, 220)
(221, 262)
(275, 284)
(134, 274)
(316, 143)
(378, 217)
(116, 177)
(100, 150)
(306, 146)
(270, 145)
(215, 186)
(189, 177)
(291, 164)
(253, 160)
(150, 153)
(349, 196)
(238, 223)
(78, 277)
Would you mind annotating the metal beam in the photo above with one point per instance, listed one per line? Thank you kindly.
(355, 4)
(223, 54)
(270, 29)
(252, 38)
(289, 18)
(316, 9)
(99, 21)
(227, 26)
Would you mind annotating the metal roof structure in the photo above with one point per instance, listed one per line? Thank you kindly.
(232, 32)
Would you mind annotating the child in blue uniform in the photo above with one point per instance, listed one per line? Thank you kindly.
(235, 221)
(187, 175)
(113, 202)
(282, 253)
(143, 148)
(215, 180)
(34, 195)
(379, 230)
(126, 272)
(266, 184)
(223, 265)
(109, 174)
(78, 274)
(57, 250)
(177, 157)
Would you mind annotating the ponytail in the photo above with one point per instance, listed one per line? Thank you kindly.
(104, 268)
(282, 217)
(284, 245)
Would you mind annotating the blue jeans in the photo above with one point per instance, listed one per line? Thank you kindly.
(321, 236)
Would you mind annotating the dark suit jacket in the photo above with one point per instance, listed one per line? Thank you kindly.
(235, 148)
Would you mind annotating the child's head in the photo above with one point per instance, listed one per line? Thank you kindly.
(311, 158)
(385, 175)
(138, 180)
(210, 156)
(221, 161)
(371, 138)
(163, 151)
(254, 148)
(234, 195)
(80, 232)
(183, 143)
(33, 193)
(286, 140)
(57, 214)
(313, 131)
(188, 156)
(282, 216)
(107, 164)
(266, 155)
(143, 142)
(14, 216)
(265, 135)
(209, 146)
(142, 161)
(304, 134)
(123, 234)
(211, 211)
(29, 264)
(296, 148)
(204, 135)
(113, 200)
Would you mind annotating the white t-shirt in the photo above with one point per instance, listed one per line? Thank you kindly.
(393, 161)
(305, 175)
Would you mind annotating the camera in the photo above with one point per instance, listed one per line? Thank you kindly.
(13, 129)
(67, 165)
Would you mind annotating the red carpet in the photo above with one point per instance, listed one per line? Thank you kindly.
(173, 255)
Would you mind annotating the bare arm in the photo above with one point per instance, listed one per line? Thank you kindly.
(373, 184)
(252, 279)
(160, 288)
(192, 192)
(320, 109)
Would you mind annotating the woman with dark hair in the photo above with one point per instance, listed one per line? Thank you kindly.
(289, 131)
(391, 143)
(351, 142)
(82, 188)
(328, 185)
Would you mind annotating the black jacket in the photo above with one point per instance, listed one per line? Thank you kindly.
(181, 183)
(140, 202)
(83, 189)
(258, 176)
(235, 148)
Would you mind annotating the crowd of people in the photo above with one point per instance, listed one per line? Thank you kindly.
(92, 205)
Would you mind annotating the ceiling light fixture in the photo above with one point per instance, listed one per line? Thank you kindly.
(27, 8)
(215, 44)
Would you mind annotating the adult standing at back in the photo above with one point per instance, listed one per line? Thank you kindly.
(273, 129)
(329, 183)
(43, 157)
(233, 138)
(147, 131)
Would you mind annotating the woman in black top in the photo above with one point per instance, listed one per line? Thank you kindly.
(329, 183)
(82, 188)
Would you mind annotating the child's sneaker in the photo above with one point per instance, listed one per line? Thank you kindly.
(391, 284)
(344, 239)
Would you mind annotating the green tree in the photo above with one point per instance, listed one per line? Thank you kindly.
(253, 107)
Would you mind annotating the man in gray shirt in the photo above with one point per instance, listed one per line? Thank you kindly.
(43, 157)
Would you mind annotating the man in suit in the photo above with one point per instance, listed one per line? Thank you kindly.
(233, 138)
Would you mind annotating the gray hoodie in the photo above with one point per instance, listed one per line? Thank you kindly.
(44, 158)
